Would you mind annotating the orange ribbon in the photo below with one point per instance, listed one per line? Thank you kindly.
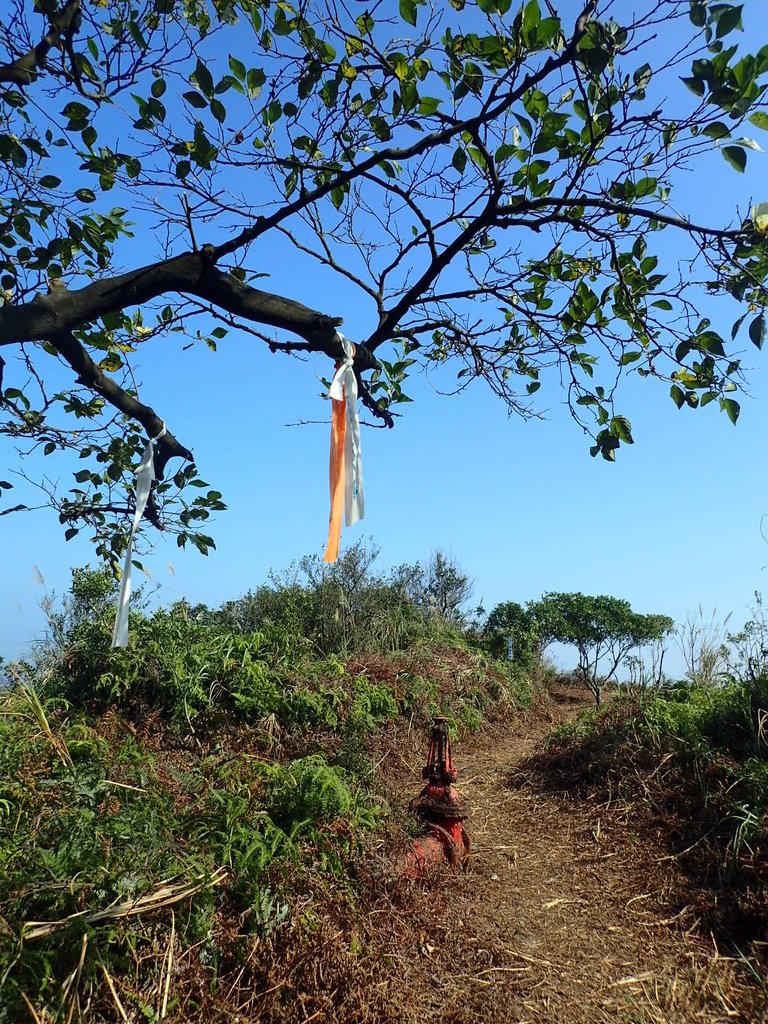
(336, 473)
(346, 465)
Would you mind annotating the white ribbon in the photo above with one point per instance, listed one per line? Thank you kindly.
(344, 384)
(145, 475)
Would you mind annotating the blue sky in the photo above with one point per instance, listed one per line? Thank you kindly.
(675, 523)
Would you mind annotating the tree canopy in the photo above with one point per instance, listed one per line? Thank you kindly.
(602, 629)
(495, 181)
(510, 621)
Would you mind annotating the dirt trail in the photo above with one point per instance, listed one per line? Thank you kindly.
(564, 915)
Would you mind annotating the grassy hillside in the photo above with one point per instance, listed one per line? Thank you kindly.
(184, 824)
(202, 827)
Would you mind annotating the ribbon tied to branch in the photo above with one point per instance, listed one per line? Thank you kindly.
(145, 475)
(346, 463)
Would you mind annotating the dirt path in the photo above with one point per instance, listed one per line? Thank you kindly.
(563, 916)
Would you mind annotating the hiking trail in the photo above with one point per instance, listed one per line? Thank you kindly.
(564, 914)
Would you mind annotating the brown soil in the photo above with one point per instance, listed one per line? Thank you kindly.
(565, 913)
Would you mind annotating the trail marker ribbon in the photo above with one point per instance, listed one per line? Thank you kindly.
(145, 475)
(346, 463)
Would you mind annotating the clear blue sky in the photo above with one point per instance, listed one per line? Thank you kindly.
(673, 524)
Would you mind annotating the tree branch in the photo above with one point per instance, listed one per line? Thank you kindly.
(378, 410)
(611, 207)
(426, 143)
(392, 317)
(62, 310)
(89, 374)
(63, 26)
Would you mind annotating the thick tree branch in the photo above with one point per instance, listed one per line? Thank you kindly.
(63, 26)
(61, 310)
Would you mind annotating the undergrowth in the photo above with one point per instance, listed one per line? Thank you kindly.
(176, 817)
(690, 764)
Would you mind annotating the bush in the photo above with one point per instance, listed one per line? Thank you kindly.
(308, 791)
(726, 718)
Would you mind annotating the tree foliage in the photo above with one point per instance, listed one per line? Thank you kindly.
(512, 621)
(440, 588)
(496, 181)
(602, 629)
(350, 606)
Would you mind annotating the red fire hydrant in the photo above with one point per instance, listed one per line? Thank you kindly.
(438, 807)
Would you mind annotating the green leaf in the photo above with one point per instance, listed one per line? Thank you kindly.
(75, 111)
(677, 395)
(254, 81)
(50, 181)
(735, 156)
(760, 119)
(698, 13)
(219, 111)
(85, 195)
(459, 159)
(716, 130)
(428, 105)
(408, 11)
(291, 181)
(622, 428)
(237, 68)
(642, 77)
(730, 18)
(697, 87)
(531, 19)
(194, 99)
(731, 407)
(203, 78)
(668, 134)
(645, 187)
(381, 128)
(737, 325)
(630, 357)
(757, 331)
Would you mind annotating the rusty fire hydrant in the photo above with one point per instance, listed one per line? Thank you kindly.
(438, 807)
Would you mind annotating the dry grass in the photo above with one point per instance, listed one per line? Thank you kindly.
(165, 894)
(567, 913)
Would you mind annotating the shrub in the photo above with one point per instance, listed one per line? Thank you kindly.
(308, 791)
